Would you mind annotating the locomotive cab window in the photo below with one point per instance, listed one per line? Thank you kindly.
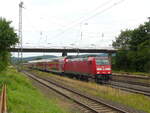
(102, 62)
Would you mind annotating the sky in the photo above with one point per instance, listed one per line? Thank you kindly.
(74, 23)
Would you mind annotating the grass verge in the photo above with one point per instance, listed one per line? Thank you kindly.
(137, 101)
(23, 97)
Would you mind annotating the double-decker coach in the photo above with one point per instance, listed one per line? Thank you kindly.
(98, 68)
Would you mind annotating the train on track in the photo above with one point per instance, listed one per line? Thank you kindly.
(85, 68)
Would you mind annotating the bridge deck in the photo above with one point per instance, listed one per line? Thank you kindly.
(73, 50)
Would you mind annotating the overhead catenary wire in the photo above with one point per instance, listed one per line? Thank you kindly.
(97, 8)
(81, 19)
(35, 28)
(103, 10)
(78, 21)
(90, 17)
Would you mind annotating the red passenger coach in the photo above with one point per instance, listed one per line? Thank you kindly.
(98, 68)
(56, 65)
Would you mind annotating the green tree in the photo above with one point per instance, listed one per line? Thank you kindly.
(121, 60)
(8, 38)
(122, 41)
(38, 58)
(144, 54)
(134, 49)
(140, 35)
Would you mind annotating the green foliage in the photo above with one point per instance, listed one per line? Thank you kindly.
(144, 53)
(38, 58)
(134, 49)
(137, 101)
(122, 41)
(22, 97)
(4, 59)
(7, 35)
(121, 56)
(7, 38)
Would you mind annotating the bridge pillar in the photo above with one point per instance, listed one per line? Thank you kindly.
(64, 53)
(110, 57)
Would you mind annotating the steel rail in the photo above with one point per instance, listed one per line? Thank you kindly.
(133, 90)
(132, 82)
(79, 97)
(131, 76)
(3, 106)
(129, 89)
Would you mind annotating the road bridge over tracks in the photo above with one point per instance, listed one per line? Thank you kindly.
(64, 51)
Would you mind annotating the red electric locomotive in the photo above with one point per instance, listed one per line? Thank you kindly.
(98, 68)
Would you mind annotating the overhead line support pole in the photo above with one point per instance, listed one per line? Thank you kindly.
(20, 33)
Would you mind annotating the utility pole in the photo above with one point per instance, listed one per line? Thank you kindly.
(20, 33)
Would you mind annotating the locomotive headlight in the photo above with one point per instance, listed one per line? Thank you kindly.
(107, 69)
(99, 69)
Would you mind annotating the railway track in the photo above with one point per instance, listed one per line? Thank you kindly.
(130, 87)
(132, 76)
(135, 84)
(91, 104)
(132, 82)
(135, 80)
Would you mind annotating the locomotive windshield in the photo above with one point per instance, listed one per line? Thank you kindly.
(102, 62)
